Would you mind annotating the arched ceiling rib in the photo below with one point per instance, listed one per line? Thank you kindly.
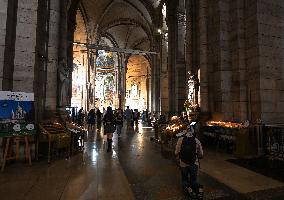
(125, 21)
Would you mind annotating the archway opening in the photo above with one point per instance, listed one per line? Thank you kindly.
(138, 80)
(80, 66)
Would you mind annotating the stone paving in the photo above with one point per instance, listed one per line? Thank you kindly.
(135, 169)
(155, 175)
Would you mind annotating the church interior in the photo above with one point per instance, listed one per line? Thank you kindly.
(215, 65)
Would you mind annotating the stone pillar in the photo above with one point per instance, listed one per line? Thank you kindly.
(53, 52)
(164, 78)
(172, 30)
(3, 22)
(252, 60)
(120, 90)
(181, 74)
(68, 37)
(220, 60)
(270, 16)
(225, 74)
(41, 58)
(9, 41)
(239, 88)
(23, 77)
(155, 74)
(203, 61)
(63, 85)
(123, 79)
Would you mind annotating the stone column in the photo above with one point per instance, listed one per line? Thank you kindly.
(225, 74)
(24, 61)
(220, 77)
(239, 88)
(68, 38)
(203, 61)
(180, 73)
(252, 60)
(123, 79)
(8, 41)
(156, 66)
(53, 52)
(270, 16)
(172, 29)
(164, 78)
(41, 58)
(120, 84)
(3, 22)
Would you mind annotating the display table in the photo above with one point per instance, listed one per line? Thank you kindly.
(57, 136)
(77, 135)
(12, 137)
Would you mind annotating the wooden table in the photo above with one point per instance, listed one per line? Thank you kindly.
(8, 145)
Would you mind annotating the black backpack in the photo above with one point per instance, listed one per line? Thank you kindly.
(188, 150)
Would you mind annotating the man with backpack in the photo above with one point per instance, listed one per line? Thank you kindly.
(189, 150)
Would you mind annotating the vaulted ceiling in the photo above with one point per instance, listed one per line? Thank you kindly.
(128, 23)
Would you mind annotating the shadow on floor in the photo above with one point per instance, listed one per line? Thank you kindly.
(262, 165)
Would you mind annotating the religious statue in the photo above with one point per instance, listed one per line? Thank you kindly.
(64, 81)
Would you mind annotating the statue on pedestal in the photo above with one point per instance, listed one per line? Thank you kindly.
(63, 84)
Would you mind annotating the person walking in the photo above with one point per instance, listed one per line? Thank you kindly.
(81, 117)
(128, 117)
(99, 120)
(119, 121)
(188, 151)
(109, 127)
(91, 119)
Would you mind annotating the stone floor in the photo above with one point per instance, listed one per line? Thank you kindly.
(135, 169)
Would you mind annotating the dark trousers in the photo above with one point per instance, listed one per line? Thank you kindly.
(189, 177)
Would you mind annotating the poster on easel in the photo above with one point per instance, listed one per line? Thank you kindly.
(16, 113)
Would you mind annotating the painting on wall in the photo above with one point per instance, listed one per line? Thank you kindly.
(104, 59)
(16, 112)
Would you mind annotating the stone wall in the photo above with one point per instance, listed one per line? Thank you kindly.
(231, 58)
(270, 15)
(241, 45)
(24, 61)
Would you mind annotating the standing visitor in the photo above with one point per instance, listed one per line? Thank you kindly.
(136, 116)
(91, 119)
(188, 151)
(128, 117)
(109, 127)
(99, 120)
(119, 121)
(80, 117)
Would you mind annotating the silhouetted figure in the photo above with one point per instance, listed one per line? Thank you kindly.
(80, 117)
(109, 127)
(91, 119)
(99, 120)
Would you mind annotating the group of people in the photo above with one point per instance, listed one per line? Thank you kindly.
(112, 121)
(188, 148)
